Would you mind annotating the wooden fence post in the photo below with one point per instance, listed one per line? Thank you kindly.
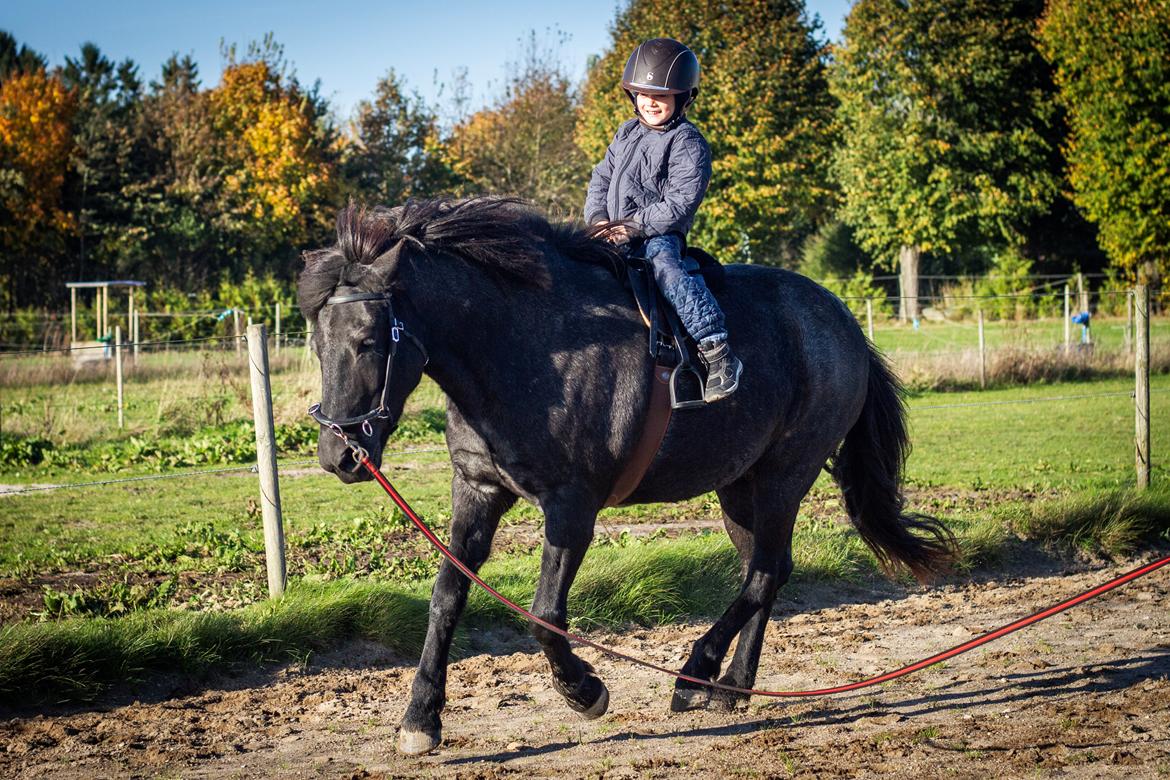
(1142, 385)
(1067, 320)
(72, 316)
(1129, 322)
(266, 458)
(869, 317)
(236, 328)
(277, 341)
(135, 334)
(982, 355)
(118, 372)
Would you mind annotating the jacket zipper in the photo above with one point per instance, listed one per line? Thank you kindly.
(617, 187)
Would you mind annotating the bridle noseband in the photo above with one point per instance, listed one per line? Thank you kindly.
(381, 412)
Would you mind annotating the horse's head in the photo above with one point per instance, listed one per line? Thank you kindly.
(370, 361)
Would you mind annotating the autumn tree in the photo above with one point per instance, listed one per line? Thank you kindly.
(395, 150)
(279, 159)
(36, 113)
(523, 145)
(763, 105)
(1112, 60)
(946, 112)
(16, 59)
(177, 206)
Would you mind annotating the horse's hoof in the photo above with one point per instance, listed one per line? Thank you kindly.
(416, 743)
(589, 698)
(686, 699)
(599, 707)
(725, 701)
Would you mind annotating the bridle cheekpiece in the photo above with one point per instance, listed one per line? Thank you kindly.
(381, 411)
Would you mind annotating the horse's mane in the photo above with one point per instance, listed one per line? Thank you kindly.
(505, 236)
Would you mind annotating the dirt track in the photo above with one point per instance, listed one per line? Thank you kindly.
(1085, 694)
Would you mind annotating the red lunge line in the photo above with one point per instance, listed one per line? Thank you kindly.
(905, 670)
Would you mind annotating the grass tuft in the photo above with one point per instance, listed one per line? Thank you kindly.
(1114, 523)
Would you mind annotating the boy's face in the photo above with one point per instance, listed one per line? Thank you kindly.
(656, 109)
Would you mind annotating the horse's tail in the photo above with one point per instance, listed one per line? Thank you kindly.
(869, 468)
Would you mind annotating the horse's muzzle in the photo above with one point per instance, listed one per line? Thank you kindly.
(338, 459)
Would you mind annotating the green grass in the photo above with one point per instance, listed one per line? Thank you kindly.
(1026, 443)
(1108, 334)
(357, 569)
(647, 582)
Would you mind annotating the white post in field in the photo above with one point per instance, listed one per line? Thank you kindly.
(266, 458)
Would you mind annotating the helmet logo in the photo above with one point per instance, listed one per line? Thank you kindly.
(649, 74)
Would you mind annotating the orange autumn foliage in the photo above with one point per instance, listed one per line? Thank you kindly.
(36, 113)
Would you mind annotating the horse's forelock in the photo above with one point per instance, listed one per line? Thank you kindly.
(323, 268)
(365, 234)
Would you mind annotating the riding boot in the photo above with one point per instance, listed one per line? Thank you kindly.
(723, 370)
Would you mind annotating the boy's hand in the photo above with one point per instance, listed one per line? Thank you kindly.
(616, 233)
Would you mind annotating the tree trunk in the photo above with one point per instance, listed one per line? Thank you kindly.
(908, 257)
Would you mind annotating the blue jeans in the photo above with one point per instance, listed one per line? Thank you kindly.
(696, 306)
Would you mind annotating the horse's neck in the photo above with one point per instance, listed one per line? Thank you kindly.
(489, 336)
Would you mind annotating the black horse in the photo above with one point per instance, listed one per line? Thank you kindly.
(543, 360)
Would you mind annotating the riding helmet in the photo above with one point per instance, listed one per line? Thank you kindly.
(662, 66)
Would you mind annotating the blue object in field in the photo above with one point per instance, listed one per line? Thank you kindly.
(223, 315)
(1082, 318)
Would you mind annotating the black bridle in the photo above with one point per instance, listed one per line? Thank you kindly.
(381, 411)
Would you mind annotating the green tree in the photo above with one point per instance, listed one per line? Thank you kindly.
(104, 164)
(177, 206)
(16, 59)
(764, 107)
(523, 145)
(395, 150)
(1112, 61)
(947, 120)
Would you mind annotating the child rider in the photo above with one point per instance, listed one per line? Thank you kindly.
(652, 179)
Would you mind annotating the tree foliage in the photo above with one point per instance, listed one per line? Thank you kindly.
(279, 166)
(947, 124)
(396, 150)
(763, 105)
(104, 162)
(36, 112)
(1112, 60)
(524, 145)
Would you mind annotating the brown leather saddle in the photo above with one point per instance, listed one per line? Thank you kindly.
(677, 382)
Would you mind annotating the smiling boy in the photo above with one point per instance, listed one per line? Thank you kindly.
(652, 180)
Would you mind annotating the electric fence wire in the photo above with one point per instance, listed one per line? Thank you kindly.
(184, 474)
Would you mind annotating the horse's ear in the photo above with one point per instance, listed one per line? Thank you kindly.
(384, 268)
(313, 256)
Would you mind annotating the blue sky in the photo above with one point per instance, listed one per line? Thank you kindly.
(347, 45)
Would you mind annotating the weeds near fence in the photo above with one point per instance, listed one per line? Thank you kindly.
(1013, 366)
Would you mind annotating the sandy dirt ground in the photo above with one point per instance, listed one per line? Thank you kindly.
(1084, 694)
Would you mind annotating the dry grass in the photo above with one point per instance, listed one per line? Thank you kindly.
(1011, 366)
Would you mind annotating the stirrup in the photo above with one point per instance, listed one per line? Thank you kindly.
(685, 367)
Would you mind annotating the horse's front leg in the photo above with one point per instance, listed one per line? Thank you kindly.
(568, 531)
(475, 514)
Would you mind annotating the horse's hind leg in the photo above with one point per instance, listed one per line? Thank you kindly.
(568, 531)
(761, 511)
(739, 517)
(475, 514)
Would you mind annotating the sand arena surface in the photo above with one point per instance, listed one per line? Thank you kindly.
(1084, 694)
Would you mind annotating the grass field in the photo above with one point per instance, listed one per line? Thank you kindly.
(110, 563)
